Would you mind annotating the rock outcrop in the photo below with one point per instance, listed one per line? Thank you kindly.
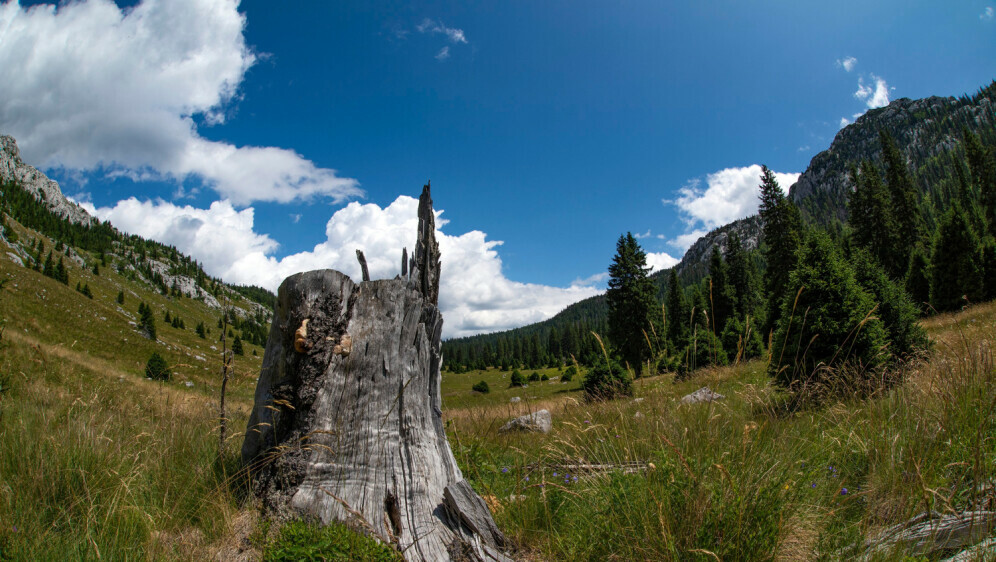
(38, 184)
(347, 422)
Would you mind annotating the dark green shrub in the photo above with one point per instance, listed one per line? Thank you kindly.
(739, 338)
(545, 377)
(704, 349)
(481, 387)
(516, 379)
(607, 381)
(298, 540)
(237, 346)
(956, 263)
(157, 369)
(569, 373)
(534, 377)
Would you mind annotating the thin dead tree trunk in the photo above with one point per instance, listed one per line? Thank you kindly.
(347, 423)
(226, 361)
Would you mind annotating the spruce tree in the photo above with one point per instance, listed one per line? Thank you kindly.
(918, 279)
(989, 267)
(631, 301)
(237, 346)
(896, 309)
(61, 273)
(983, 166)
(677, 314)
(49, 269)
(147, 321)
(872, 224)
(720, 291)
(121, 297)
(904, 196)
(956, 263)
(781, 229)
(742, 277)
(827, 324)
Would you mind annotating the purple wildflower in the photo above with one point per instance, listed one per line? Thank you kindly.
(843, 491)
(504, 470)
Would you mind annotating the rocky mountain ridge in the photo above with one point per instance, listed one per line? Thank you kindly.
(13, 169)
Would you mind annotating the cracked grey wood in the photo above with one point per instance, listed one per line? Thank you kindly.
(350, 429)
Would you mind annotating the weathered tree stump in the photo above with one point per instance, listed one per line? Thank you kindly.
(347, 423)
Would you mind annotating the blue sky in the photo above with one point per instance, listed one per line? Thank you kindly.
(264, 138)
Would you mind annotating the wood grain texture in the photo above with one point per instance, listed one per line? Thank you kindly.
(351, 428)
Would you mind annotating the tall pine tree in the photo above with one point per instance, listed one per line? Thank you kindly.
(677, 314)
(983, 168)
(632, 304)
(720, 296)
(781, 229)
(904, 196)
(873, 226)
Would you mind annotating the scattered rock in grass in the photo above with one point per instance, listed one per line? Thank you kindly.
(638, 415)
(515, 399)
(540, 421)
(704, 394)
(189, 384)
(637, 400)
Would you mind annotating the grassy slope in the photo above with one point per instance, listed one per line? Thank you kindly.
(739, 478)
(97, 462)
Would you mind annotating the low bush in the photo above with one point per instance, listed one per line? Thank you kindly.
(157, 369)
(607, 381)
(481, 387)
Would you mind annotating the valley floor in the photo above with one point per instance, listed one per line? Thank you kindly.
(96, 462)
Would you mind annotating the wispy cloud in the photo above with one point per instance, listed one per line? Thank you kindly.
(443, 53)
(987, 14)
(847, 63)
(433, 27)
(873, 96)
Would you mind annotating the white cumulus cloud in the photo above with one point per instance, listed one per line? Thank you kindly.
(661, 260)
(122, 90)
(728, 195)
(475, 296)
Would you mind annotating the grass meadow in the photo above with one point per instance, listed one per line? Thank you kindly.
(98, 463)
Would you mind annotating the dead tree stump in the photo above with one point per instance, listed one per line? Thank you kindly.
(347, 422)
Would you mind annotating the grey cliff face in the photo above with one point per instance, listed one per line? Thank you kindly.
(38, 184)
